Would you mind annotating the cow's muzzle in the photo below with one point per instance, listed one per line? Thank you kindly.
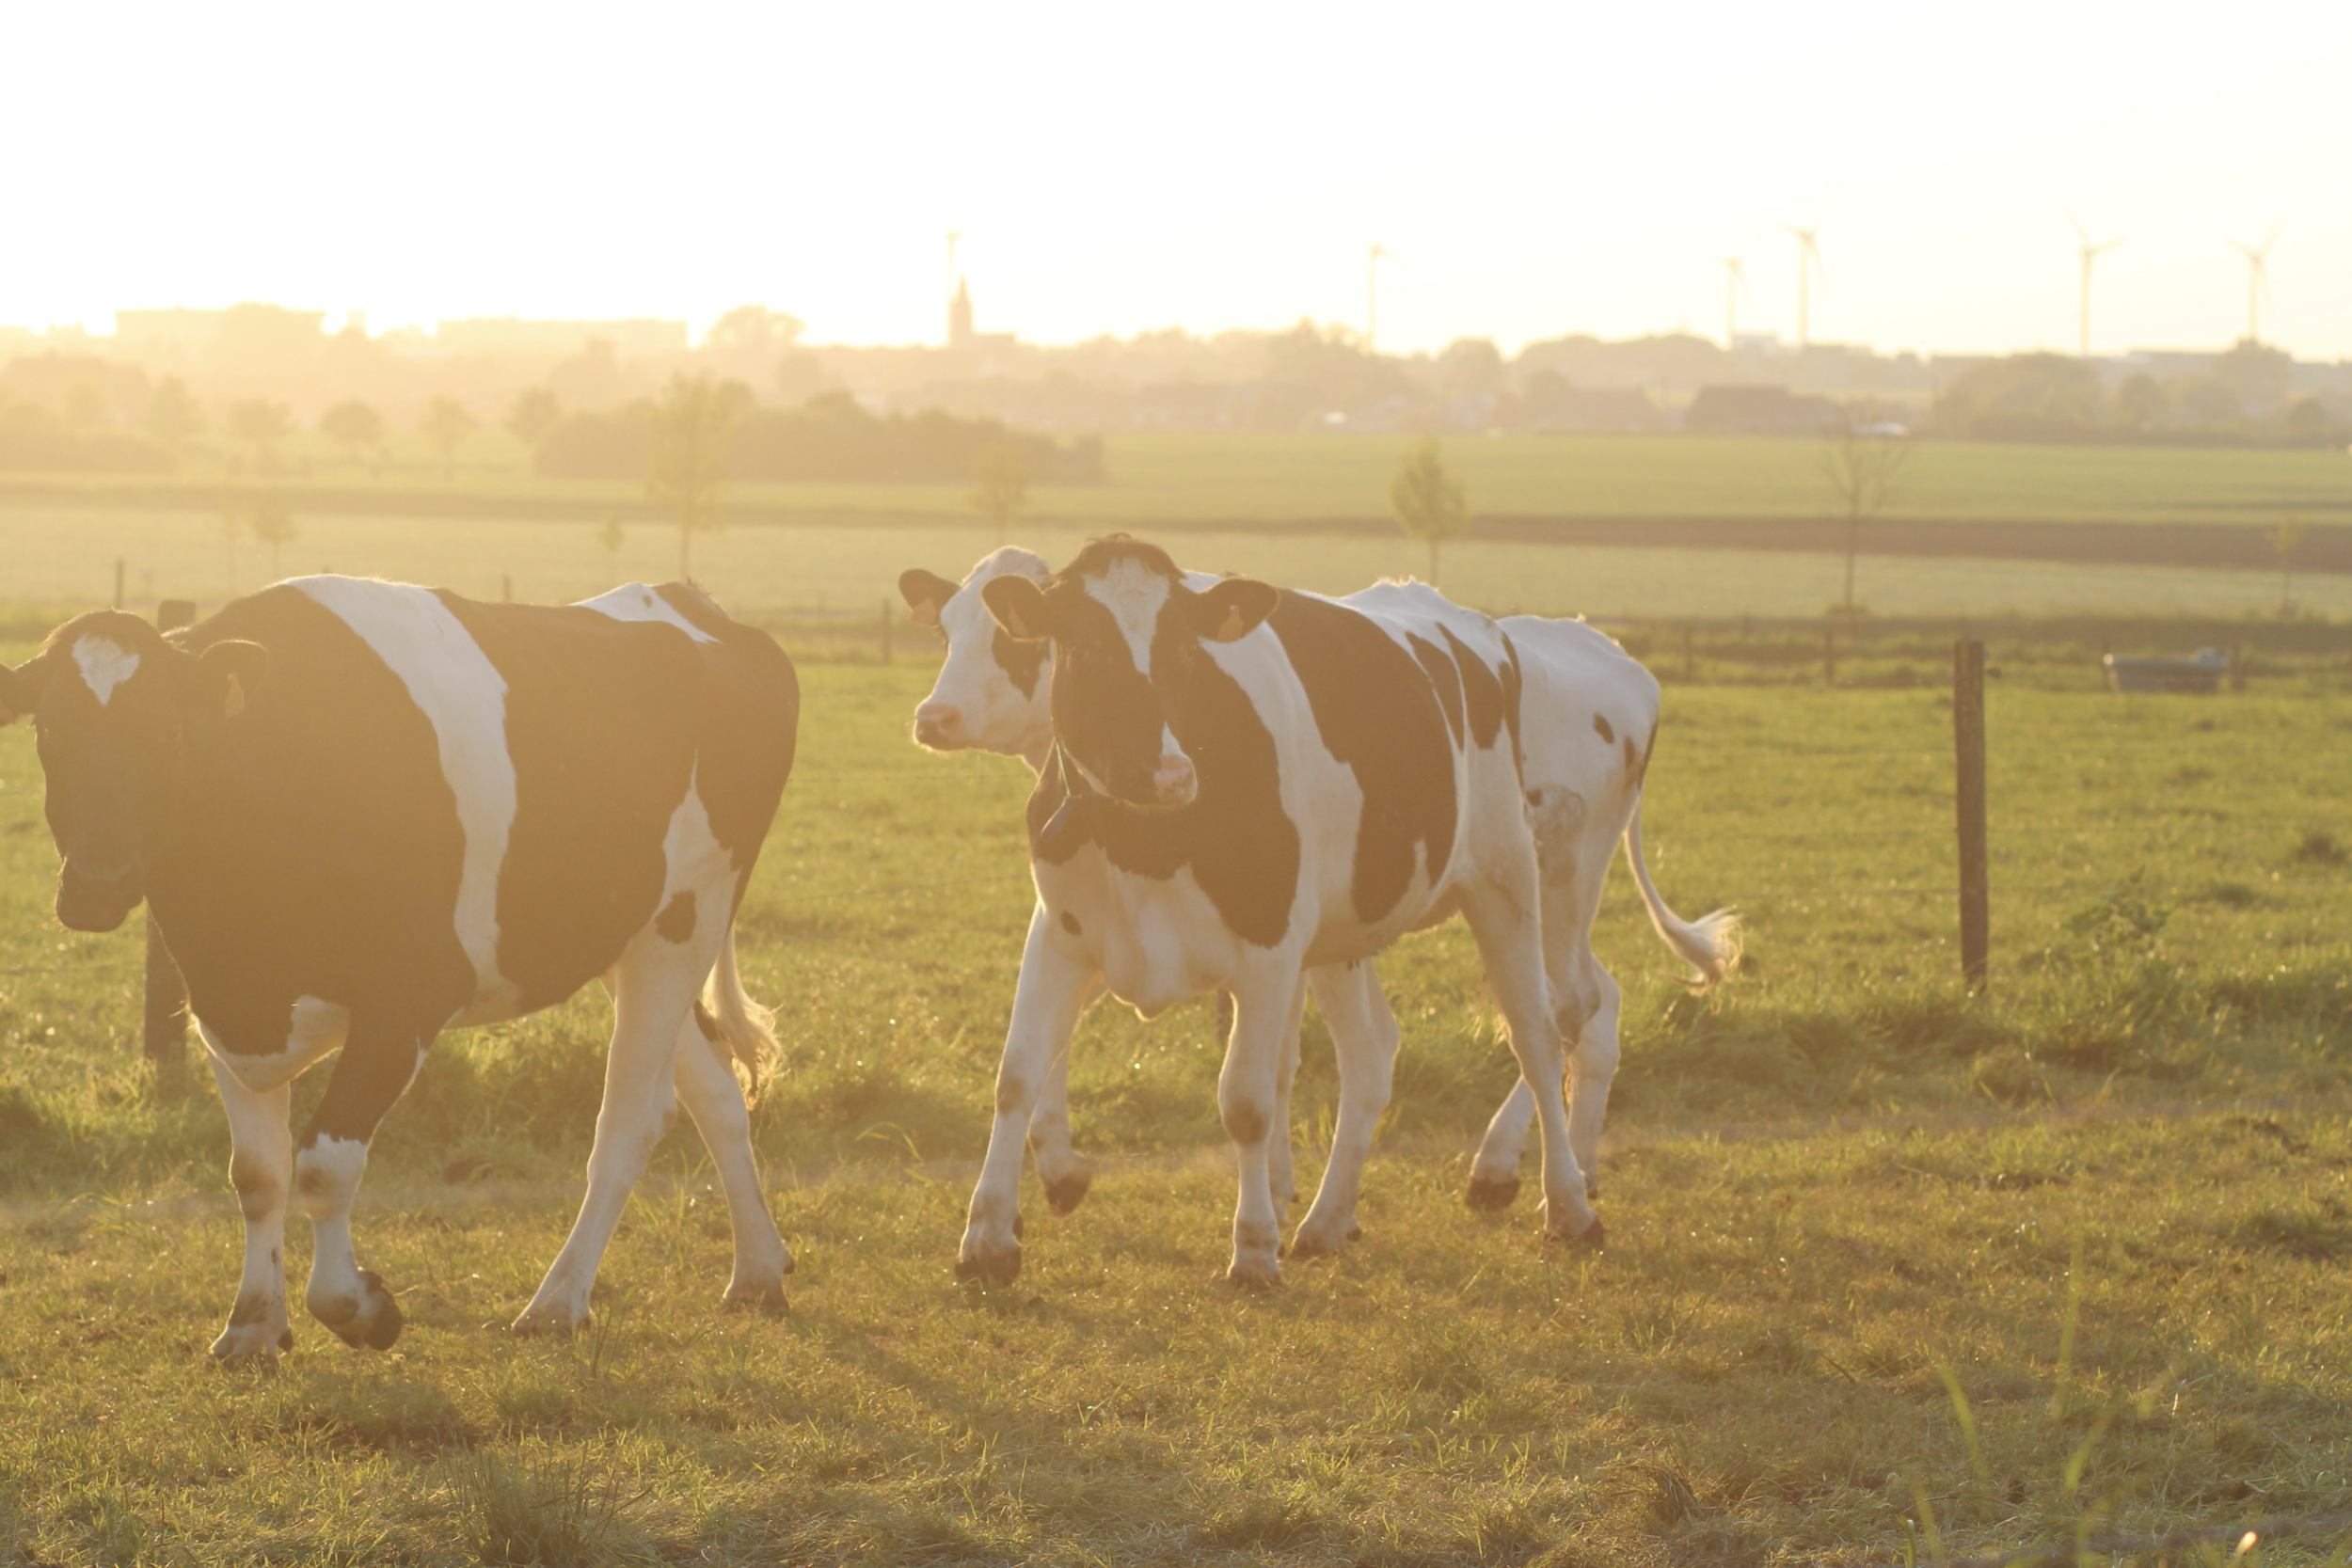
(97, 900)
(940, 727)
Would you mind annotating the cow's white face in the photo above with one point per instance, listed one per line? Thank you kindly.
(1126, 634)
(990, 693)
(110, 700)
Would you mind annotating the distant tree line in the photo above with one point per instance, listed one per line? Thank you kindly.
(2241, 399)
(829, 437)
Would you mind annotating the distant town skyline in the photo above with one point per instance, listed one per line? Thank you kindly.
(1528, 171)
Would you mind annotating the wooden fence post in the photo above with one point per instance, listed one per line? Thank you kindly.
(164, 1030)
(886, 630)
(1969, 758)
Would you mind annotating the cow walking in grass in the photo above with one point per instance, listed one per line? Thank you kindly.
(1227, 806)
(363, 812)
(1583, 700)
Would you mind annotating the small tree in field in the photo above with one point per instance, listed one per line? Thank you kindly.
(1864, 471)
(2284, 539)
(1003, 476)
(1431, 505)
(686, 455)
(610, 538)
(272, 524)
(446, 422)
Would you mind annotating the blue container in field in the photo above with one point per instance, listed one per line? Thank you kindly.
(2200, 673)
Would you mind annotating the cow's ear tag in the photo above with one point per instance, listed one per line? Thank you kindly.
(924, 612)
(233, 703)
(1233, 627)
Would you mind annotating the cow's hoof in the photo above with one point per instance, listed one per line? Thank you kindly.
(1489, 1196)
(1593, 1238)
(550, 1320)
(993, 1267)
(1256, 1277)
(1066, 1193)
(251, 1344)
(766, 1300)
(374, 1322)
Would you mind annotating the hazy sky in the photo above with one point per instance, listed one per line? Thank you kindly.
(1536, 169)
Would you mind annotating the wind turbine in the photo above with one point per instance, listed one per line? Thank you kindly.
(1735, 284)
(1377, 255)
(2090, 253)
(2257, 280)
(1808, 262)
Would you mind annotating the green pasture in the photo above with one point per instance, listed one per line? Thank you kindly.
(64, 557)
(1243, 479)
(2106, 1203)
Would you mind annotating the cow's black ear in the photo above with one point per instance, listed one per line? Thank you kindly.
(1019, 606)
(223, 676)
(925, 593)
(1234, 607)
(21, 688)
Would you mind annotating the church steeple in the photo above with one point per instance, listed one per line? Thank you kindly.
(960, 318)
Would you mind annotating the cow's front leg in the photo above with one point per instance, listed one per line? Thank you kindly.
(260, 1166)
(653, 988)
(1365, 1034)
(1056, 981)
(377, 1062)
(1281, 1169)
(1064, 1173)
(1494, 1180)
(1264, 1006)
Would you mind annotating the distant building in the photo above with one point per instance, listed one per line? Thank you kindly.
(1594, 408)
(1757, 410)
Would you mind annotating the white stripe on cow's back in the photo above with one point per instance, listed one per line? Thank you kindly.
(464, 697)
(634, 601)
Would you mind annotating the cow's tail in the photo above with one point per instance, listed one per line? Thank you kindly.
(746, 1029)
(1710, 943)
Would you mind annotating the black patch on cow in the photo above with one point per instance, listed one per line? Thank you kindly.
(1632, 760)
(608, 723)
(1106, 714)
(1378, 711)
(708, 1022)
(1640, 768)
(1513, 682)
(675, 923)
(1600, 727)
(1443, 678)
(1241, 846)
(1019, 660)
(1070, 922)
(1482, 692)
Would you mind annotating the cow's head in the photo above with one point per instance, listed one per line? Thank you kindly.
(991, 691)
(111, 700)
(1126, 634)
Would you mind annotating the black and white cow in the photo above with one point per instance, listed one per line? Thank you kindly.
(1246, 784)
(1583, 703)
(362, 813)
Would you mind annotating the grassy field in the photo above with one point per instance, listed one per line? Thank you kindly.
(2108, 1203)
(1208, 478)
(65, 558)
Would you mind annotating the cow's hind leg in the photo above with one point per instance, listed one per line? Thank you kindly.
(1365, 1034)
(377, 1062)
(706, 1084)
(653, 987)
(260, 1166)
(1503, 917)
